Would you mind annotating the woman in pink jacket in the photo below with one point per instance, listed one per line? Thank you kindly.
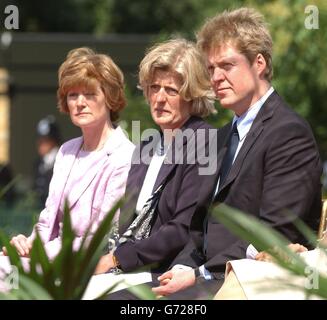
(90, 171)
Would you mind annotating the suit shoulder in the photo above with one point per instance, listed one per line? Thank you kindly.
(199, 123)
(288, 118)
(206, 125)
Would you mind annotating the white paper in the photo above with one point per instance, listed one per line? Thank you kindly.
(101, 283)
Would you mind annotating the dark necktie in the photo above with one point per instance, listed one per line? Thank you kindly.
(232, 144)
(226, 165)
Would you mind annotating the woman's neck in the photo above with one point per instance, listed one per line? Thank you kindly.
(95, 137)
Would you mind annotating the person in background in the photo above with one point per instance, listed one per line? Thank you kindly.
(48, 143)
(90, 171)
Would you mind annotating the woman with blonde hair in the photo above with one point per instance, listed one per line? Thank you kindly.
(165, 181)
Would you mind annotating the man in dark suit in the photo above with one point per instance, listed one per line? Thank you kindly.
(267, 161)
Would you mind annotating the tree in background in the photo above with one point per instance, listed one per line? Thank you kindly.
(300, 61)
(88, 16)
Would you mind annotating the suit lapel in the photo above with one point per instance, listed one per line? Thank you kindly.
(176, 154)
(65, 169)
(249, 141)
(136, 176)
(167, 165)
(91, 170)
(256, 129)
(163, 174)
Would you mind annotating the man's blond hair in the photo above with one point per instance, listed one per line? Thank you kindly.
(243, 28)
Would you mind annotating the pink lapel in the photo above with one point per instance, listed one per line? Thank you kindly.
(62, 170)
(91, 169)
(96, 166)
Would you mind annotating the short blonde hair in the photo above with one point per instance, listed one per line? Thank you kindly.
(84, 67)
(244, 28)
(184, 59)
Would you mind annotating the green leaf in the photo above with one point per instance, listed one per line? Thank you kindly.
(32, 290)
(307, 232)
(12, 253)
(142, 291)
(90, 257)
(109, 290)
(67, 276)
(40, 266)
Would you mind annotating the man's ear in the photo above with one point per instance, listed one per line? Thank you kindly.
(260, 64)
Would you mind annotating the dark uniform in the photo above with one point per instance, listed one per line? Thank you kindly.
(48, 144)
(7, 191)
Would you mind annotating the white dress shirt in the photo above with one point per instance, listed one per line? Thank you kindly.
(151, 176)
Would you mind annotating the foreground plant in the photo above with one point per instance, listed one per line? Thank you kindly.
(67, 276)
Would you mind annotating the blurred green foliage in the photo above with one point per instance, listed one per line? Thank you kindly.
(19, 217)
(66, 276)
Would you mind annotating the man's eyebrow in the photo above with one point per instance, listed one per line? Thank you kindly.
(221, 61)
(226, 59)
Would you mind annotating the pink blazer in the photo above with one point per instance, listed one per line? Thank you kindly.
(100, 188)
